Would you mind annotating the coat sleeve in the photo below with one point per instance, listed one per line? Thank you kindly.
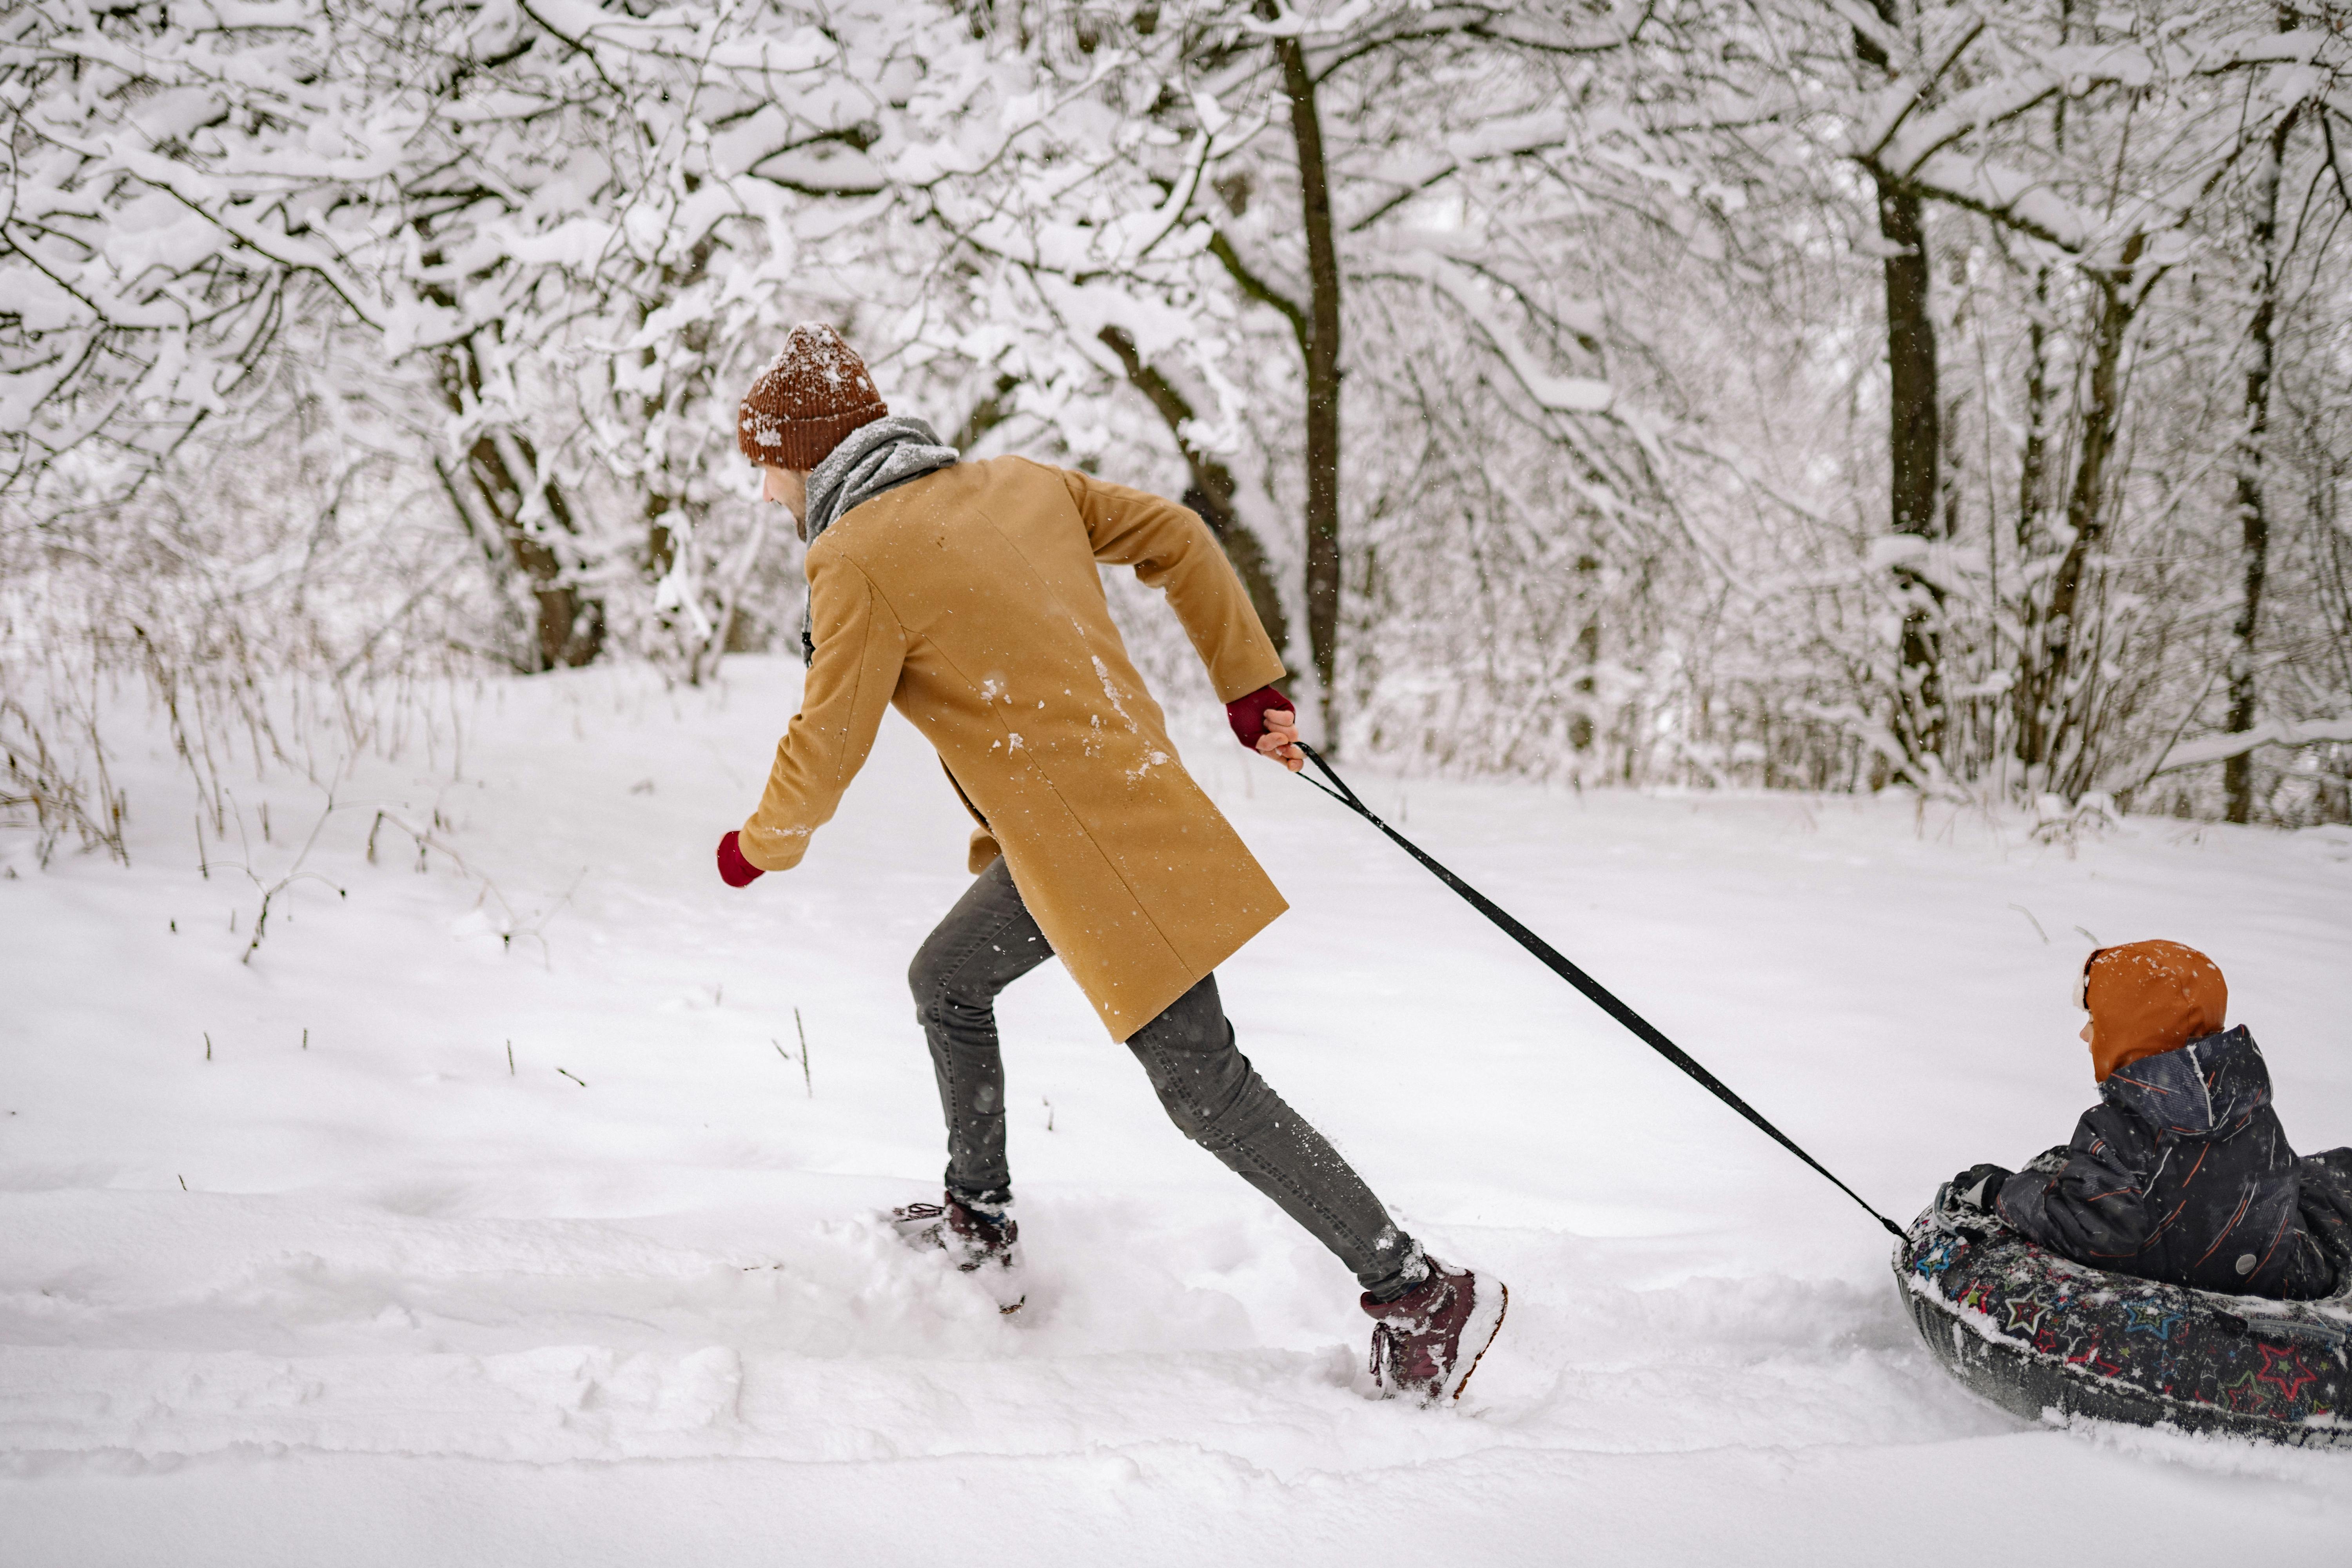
(860, 645)
(1173, 551)
(2094, 1208)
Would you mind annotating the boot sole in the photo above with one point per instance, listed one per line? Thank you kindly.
(1482, 1333)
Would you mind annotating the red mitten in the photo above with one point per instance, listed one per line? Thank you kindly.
(1247, 714)
(739, 872)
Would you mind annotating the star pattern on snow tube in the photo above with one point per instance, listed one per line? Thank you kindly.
(2089, 1356)
(1938, 1258)
(2026, 1312)
(2282, 1368)
(2149, 1318)
(2246, 1394)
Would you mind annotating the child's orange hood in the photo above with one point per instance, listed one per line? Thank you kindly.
(2150, 998)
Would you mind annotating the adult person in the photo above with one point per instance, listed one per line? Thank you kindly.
(968, 596)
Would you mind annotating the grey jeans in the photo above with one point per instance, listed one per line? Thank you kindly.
(1208, 1089)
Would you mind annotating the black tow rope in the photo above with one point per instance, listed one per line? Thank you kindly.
(1600, 994)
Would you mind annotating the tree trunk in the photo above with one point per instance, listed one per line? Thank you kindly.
(2086, 507)
(1322, 347)
(694, 337)
(1917, 440)
(2253, 520)
(569, 625)
(1914, 440)
(2032, 477)
(2032, 469)
(1582, 725)
(1211, 494)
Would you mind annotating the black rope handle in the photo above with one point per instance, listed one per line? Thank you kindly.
(1600, 994)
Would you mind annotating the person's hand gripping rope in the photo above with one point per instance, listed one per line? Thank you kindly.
(1266, 723)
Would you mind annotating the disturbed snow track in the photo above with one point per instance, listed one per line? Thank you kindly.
(228, 1324)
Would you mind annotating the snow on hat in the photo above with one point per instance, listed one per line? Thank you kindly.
(813, 394)
(2150, 998)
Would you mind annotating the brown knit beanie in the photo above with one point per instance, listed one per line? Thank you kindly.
(2150, 998)
(812, 394)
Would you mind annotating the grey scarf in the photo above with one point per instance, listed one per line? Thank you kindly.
(870, 459)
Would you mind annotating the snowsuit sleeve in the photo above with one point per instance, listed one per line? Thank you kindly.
(860, 645)
(2327, 1201)
(2094, 1207)
(1173, 551)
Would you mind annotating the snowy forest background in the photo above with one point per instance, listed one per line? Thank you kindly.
(1808, 393)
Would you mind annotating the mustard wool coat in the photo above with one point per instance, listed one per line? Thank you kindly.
(971, 601)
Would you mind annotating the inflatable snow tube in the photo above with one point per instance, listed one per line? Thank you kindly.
(2044, 1337)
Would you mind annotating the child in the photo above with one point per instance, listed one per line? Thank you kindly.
(2181, 1172)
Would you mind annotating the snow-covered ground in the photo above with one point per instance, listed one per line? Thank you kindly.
(379, 1298)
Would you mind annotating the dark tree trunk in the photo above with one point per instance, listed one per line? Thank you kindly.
(1322, 346)
(1915, 436)
(1915, 443)
(661, 542)
(1582, 725)
(1211, 494)
(569, 625)
(2033, 497)
(2051, 719)
(2033, 471)
(2253, 520)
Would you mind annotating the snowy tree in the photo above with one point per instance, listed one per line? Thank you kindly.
(1787, 393)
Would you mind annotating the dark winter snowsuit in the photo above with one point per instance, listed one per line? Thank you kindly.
(2182, 1174)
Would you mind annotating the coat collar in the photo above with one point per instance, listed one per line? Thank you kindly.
(2207, 1089)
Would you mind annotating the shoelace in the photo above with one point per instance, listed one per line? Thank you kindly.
(981, 1237)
